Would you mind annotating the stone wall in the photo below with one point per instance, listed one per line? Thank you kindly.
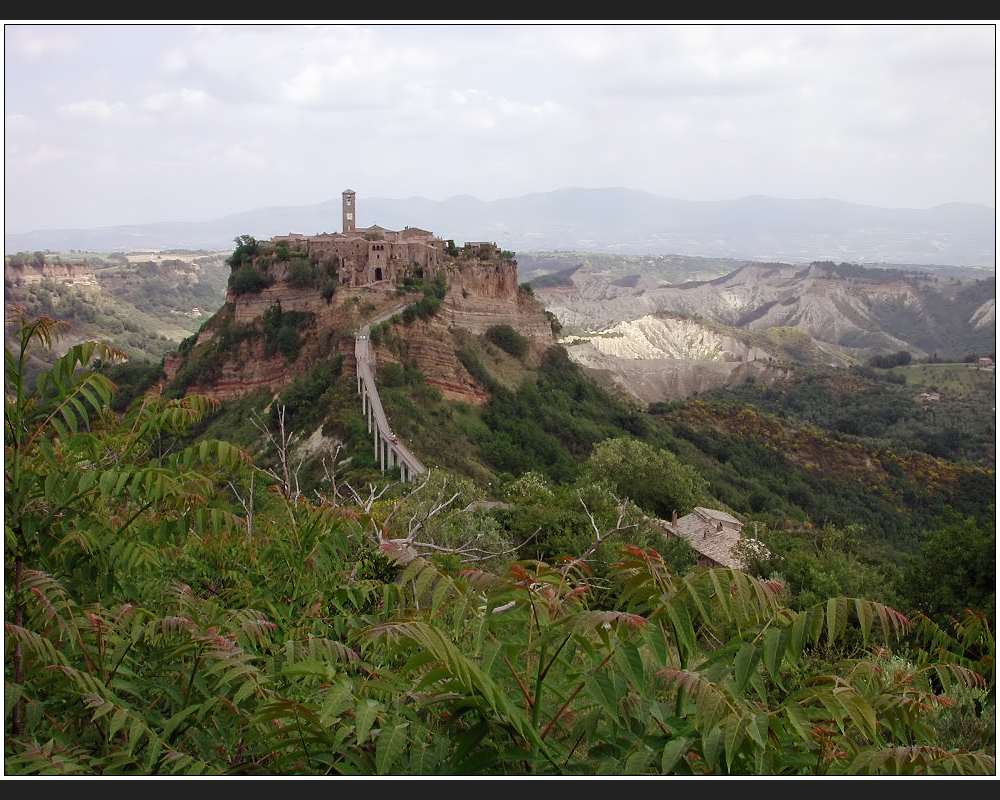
(371, 254)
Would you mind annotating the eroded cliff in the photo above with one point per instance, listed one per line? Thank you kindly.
(238, 354)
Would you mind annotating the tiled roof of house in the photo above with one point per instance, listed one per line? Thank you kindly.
(712, 533)
(714, 515)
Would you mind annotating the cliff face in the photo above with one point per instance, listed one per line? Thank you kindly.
(650, 380)
(72, 274)
(245, 371)
(864, 311)
(656, 340)
(480, 294)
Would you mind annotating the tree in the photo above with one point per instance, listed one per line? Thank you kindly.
(655, 480)
(91, 503)
(508, 340)
(147, 634)
(516, 673)
(954, 570)
(246, 248)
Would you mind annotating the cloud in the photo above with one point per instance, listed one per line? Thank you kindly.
(176, 101)
(44, 155)
(34, 44)
(92, 110)
(240, 116)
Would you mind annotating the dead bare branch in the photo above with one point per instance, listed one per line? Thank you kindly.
(289, 478)
(469, 551)
(599, 538)
(330, 472)
(374, 494)
(246, 502)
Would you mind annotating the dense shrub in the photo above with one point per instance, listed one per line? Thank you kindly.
(508, 340)
(330, 289)
(283, 331)
(248, 279)
(247, 247)
(302, 273)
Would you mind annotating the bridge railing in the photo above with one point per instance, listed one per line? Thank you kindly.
(389, 451)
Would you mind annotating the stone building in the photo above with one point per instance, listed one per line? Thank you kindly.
(713, 534)
(362, 256)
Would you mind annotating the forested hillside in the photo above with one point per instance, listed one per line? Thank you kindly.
(143, 304)
(237, 590)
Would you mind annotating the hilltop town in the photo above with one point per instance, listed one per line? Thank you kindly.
(368, 255)
(325, 287)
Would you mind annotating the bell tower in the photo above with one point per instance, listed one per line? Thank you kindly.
(349, 218)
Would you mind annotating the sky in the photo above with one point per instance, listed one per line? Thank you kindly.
(116, 124)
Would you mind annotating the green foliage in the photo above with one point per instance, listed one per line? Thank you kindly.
(131, 381)
(814, 565)
(428, 305)
(168, 613)
(247, 279)
(655, 480)
(247, 248)
(283, 331)
(508, 340)
(330, 289)
(303, 273)
(381, 334)
(140, 308)
(900, 358)
(22, 259)
(883, 410)
(787, 471)
(954, 570)
(301, 399)
(89, 504)
(470, 359)
(552, 423)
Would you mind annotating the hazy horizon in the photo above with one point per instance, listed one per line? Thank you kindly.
(117, 124)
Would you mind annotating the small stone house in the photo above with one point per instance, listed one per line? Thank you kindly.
(713, 534)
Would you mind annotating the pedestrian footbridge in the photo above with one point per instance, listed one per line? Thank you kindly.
(389, 451)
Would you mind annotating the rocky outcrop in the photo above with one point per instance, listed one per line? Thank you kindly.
(250, 308)
(73, 274)
(248, 371)
(659, 341)
(478, 302)
(481, 293)
(652, 337)
(245, 370)
(985, 317)
(839, 308)
(431, 347)
(480, 296)
(658, 379)
(653, 359)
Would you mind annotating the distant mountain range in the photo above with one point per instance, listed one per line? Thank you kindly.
(609, 220)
